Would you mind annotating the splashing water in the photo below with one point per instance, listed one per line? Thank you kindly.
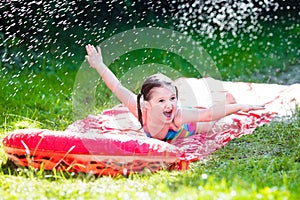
(49, 36)
(215, 16)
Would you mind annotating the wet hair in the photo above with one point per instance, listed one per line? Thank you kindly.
(153, 81)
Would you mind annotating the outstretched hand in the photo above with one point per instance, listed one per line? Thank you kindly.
(94, 57)
(247, 108)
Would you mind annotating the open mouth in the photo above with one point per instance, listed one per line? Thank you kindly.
(168, 114)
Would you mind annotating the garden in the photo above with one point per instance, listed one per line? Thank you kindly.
(42, 48)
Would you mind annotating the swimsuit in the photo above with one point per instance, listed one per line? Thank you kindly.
(185, 131)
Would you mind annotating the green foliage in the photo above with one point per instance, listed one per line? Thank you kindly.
(263, 165)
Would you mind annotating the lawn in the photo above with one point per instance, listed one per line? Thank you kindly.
(264, 165)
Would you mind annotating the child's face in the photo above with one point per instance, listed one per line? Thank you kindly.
(162, 104)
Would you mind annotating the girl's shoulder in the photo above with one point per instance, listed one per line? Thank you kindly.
(179, 117)
(188, 114)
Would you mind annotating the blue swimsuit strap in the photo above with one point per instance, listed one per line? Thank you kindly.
(188, 128)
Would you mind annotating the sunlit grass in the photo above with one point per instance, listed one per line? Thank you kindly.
(35, 100)
(264, 165)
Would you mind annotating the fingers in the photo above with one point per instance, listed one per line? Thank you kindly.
(99, 50)
(87, 49)
(94, 55)
(247, 108)
(259, 108)
(256, 107)
(91, 48)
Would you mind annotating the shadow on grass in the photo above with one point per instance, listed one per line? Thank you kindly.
(12, 169)
(9, 168)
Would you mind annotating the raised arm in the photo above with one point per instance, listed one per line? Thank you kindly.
(214, 113)
(128, 98)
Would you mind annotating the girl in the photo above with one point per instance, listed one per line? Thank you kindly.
(156, 105)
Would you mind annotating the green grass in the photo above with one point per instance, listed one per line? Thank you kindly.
(264, 165)
(30, 99)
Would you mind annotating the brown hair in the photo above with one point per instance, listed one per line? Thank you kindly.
(156, 80)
